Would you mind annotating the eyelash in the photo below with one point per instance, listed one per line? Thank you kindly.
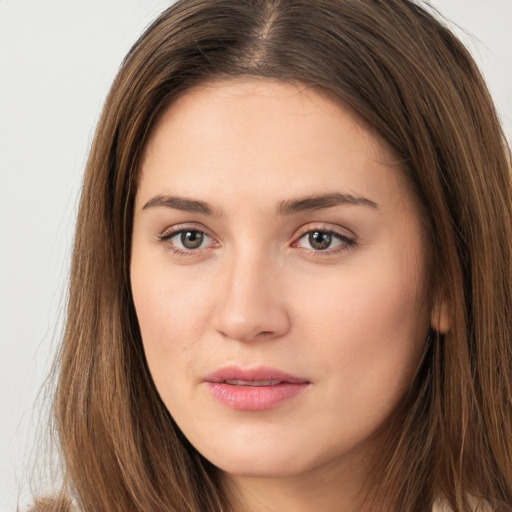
(166, 237)
(346, 242)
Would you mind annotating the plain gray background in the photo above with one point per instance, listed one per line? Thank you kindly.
(57, 61)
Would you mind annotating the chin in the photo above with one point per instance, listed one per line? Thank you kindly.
(260, 466)
(263, 459)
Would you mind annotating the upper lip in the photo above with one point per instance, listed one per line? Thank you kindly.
(261, 373)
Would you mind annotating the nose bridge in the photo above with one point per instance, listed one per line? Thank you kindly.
(249, 303)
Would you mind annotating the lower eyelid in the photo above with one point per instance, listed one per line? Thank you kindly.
(343, 243)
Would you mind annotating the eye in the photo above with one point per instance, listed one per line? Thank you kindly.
(191, 239)
(325, 240)
(186, 240)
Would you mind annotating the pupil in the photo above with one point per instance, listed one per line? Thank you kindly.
(319, 240)
(191, 239)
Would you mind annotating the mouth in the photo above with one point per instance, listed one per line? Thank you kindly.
(254, 383)
(254, 389)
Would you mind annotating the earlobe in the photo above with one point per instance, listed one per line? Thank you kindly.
(441, 318)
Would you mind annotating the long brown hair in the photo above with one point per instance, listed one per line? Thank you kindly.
(408, 79)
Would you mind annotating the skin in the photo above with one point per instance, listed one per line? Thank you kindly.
(352, 319)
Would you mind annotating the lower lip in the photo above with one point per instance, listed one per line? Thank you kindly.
(254, 398)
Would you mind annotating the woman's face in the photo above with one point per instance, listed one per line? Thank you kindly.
(278, 277)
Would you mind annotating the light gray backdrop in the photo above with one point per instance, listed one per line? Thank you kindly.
(57, 61)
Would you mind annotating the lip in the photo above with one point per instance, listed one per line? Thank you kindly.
(254, 389)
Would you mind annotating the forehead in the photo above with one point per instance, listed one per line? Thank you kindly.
(255, 103)
(263, 136)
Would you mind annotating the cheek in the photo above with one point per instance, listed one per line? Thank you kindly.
(172, 312)
(368, 330)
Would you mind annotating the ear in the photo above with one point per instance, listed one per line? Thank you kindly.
(441, 317)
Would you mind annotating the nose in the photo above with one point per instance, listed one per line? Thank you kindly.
(250, 303)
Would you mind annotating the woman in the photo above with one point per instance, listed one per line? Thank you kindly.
(291, 281)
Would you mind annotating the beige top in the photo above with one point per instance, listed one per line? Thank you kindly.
(476, 505)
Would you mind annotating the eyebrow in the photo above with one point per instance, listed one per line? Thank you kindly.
(182, 203)
(286, 207)
(319, 202)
